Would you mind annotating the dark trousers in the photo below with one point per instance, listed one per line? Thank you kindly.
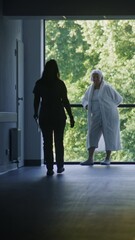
(53, 136)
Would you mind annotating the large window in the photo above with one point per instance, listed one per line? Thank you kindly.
(80, 46)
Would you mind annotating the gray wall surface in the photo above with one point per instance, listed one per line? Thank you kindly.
(32, 64)
(29, 31)
(10, 31)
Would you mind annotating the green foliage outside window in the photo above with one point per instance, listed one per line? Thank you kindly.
(81, 46)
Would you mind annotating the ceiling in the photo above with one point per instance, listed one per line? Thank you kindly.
(71, 9)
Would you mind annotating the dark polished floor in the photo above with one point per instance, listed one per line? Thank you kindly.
(83, 203)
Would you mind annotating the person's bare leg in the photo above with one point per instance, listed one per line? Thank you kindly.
(90, 157)
(107, 158)
(108, 155)
(91, 151)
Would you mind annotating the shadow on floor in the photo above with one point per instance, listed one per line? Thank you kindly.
(83, 203)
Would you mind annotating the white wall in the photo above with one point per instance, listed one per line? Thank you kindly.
(30, 32)
(32, 38)
(10, 31)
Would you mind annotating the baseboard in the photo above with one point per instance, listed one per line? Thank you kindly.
(38, 162)
(32, 162)
(7, 168)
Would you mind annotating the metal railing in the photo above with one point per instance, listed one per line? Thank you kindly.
(121, 105)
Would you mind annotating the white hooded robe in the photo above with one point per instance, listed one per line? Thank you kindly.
(109, 99)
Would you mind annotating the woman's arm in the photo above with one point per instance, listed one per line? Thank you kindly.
(85, 99)
(36, 105)
(116, 97)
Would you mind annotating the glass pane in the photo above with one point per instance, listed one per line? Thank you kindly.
(75, 138)
(76, 47)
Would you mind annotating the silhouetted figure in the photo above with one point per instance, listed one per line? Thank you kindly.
(50, 93)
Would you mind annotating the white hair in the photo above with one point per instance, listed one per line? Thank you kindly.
(96, 71)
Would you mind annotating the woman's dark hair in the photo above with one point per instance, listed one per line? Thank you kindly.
(51, 72)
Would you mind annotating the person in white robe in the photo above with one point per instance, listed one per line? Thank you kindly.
(101, 100)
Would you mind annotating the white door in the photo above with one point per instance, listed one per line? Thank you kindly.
(20, 101)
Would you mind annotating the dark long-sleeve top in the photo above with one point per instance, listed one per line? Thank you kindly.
(53, 100)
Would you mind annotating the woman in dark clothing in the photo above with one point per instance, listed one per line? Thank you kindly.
(50, 93)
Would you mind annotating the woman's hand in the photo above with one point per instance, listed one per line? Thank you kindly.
(72, 122)
(35, 116)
